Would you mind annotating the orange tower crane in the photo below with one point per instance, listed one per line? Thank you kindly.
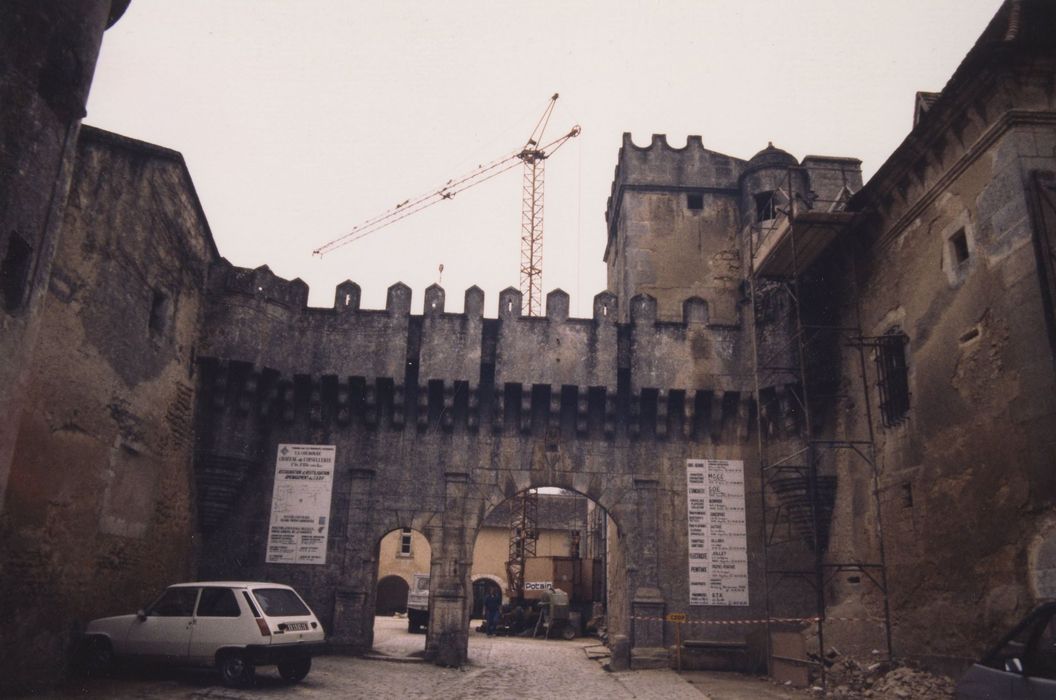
(533, 156)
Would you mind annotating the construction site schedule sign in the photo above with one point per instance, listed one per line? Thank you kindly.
(300, 504)
(718, 539)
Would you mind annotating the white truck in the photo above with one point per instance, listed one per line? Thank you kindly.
(418, 603)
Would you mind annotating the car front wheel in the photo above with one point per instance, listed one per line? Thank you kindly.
(235, 670)
(296, 670)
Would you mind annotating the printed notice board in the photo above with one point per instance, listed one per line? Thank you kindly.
(300, 504)
(718, 536)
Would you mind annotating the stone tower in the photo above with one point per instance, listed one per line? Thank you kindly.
(679, 219)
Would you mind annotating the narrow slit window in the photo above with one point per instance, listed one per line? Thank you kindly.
(14, 272)
(160, 310)
(892, 377)
(959, 247)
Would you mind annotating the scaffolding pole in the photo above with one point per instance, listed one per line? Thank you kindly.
(790, 472)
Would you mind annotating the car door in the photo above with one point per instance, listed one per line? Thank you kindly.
(1022, 666)
(219, 621)
(164, 633)
(1038, 679)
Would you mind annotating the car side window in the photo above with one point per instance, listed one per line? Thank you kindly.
(218, 602)
(175, 602)
(1041, 656)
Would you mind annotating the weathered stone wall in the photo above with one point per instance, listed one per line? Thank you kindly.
(663, 244)
(435, 449)
(100, 501)
(49, 49)
(966, 485)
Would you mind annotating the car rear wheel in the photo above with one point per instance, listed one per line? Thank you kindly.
(235, 670)
(98, 656)
(296, 670)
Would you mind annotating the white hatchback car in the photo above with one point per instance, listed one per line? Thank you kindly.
(232, 625)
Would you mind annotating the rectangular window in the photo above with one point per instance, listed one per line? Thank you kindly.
(280, 602)
(764, 206)
(175, 602)
(892, 377)
(218, 602)
(405, 542)
(695, 201)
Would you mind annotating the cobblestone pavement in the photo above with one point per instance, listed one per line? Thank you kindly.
(499, 667)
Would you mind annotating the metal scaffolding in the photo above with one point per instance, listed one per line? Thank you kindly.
(810, 414)
(524, 537)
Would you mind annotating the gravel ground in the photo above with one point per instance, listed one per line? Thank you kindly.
(499, 667)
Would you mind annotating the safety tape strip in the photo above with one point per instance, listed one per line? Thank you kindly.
(792, 620)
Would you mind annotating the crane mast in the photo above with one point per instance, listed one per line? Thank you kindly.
(533, 157)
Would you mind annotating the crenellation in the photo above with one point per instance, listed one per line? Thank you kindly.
(347, 297)
(433, 304)
(398, 300)
(606, 308)
(557, 306)
(694, 311)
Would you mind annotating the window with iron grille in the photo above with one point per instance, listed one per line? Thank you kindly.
(892, 377)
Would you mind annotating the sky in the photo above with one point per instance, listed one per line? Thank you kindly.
(300, 119)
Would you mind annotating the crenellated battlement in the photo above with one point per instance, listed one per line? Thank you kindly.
(661, 165)
(257, 318)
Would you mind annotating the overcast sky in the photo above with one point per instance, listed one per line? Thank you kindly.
(300, 120)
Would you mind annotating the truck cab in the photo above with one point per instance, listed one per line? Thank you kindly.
(418, 603)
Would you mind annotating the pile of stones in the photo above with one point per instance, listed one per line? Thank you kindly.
(885, 681)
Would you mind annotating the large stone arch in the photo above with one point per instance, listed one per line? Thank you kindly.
(630, 501)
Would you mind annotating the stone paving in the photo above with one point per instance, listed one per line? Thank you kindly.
(499, 667)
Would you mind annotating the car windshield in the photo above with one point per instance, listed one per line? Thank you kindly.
(280, 602)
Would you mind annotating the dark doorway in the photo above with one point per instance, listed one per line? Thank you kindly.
(392, 596)
(480, 590)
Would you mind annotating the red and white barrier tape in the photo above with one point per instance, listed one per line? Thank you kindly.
(781, 620)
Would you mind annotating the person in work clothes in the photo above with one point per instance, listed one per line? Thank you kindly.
(492, 603)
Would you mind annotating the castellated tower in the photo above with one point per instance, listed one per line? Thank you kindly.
(678, 219)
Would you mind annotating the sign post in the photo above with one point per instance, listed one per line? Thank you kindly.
(678, 619)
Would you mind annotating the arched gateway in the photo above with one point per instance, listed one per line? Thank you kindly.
(429, 422)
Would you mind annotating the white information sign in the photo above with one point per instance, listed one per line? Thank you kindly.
(718, 536)
(300, 504)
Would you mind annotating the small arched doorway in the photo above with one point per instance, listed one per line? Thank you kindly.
(391, 596)
(481, 586)
(401, 607)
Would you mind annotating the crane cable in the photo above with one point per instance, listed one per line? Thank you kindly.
(449, 190)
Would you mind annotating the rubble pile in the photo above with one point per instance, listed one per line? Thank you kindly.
(883, 680)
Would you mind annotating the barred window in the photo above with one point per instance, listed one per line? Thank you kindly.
(892, 377)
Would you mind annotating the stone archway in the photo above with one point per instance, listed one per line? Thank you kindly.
(573, 546)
